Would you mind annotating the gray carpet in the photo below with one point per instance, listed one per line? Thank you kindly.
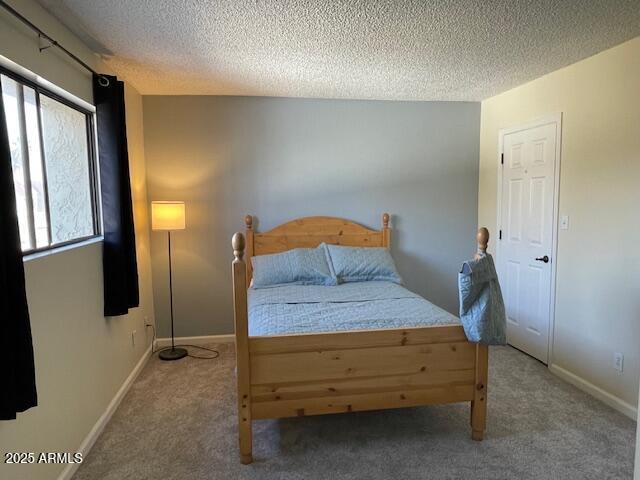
(178, 422)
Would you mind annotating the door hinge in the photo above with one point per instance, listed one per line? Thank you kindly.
(502, 159)
(500, 235)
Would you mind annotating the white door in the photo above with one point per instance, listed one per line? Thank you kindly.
(525, 258)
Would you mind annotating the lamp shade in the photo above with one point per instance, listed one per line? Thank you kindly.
(167, 215)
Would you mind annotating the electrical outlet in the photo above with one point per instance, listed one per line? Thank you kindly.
(618, 361)
(133, 338)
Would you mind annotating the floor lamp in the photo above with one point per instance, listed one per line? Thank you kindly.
(169, 216)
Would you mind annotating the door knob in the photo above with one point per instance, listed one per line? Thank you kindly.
(544, 259)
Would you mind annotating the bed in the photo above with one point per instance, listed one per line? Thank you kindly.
(311, 350)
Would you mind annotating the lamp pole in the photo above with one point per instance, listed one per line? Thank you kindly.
(173, 346)
(173, 353)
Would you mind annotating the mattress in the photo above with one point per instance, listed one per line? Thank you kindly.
(296, 309)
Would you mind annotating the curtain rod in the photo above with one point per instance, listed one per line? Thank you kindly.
(104, 81)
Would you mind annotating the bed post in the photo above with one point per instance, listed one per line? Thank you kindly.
(248, 221)
(479, 402)
(386, 232)
(242, 347)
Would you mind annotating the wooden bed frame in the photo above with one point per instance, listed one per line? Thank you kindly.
(311, 374)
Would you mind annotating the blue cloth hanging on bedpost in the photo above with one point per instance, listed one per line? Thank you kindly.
(482, 310)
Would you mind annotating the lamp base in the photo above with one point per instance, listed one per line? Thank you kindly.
(173, 354)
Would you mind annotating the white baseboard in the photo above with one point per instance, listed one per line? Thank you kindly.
(97, 429)
(203, 340)
(605, 397)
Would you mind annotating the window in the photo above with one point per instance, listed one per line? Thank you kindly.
(53, 162)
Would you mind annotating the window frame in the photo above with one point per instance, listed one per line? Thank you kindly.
(92, 150)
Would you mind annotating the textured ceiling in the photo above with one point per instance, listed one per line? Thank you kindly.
(402, 50)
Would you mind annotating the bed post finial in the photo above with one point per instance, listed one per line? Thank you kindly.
(248, 220)
(386, 233)
(483, 240)
(237, 242)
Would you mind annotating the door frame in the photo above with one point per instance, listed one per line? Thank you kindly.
(554, 118)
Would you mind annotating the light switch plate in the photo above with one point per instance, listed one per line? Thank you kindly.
(564, 222)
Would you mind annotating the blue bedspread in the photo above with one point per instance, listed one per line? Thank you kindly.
(291, 309)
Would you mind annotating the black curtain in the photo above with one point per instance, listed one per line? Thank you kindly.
(120, 267)
(17, 372)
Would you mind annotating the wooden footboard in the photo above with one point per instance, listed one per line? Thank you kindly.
(362, 370)
(312, 374)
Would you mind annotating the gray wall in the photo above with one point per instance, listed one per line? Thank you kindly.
(279, 159)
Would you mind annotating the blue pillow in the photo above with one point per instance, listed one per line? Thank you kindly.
(363, 264)
(301, 266)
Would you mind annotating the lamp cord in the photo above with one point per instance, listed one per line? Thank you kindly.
(216, 353)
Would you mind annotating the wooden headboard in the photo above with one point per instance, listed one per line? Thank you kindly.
(309, 232)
